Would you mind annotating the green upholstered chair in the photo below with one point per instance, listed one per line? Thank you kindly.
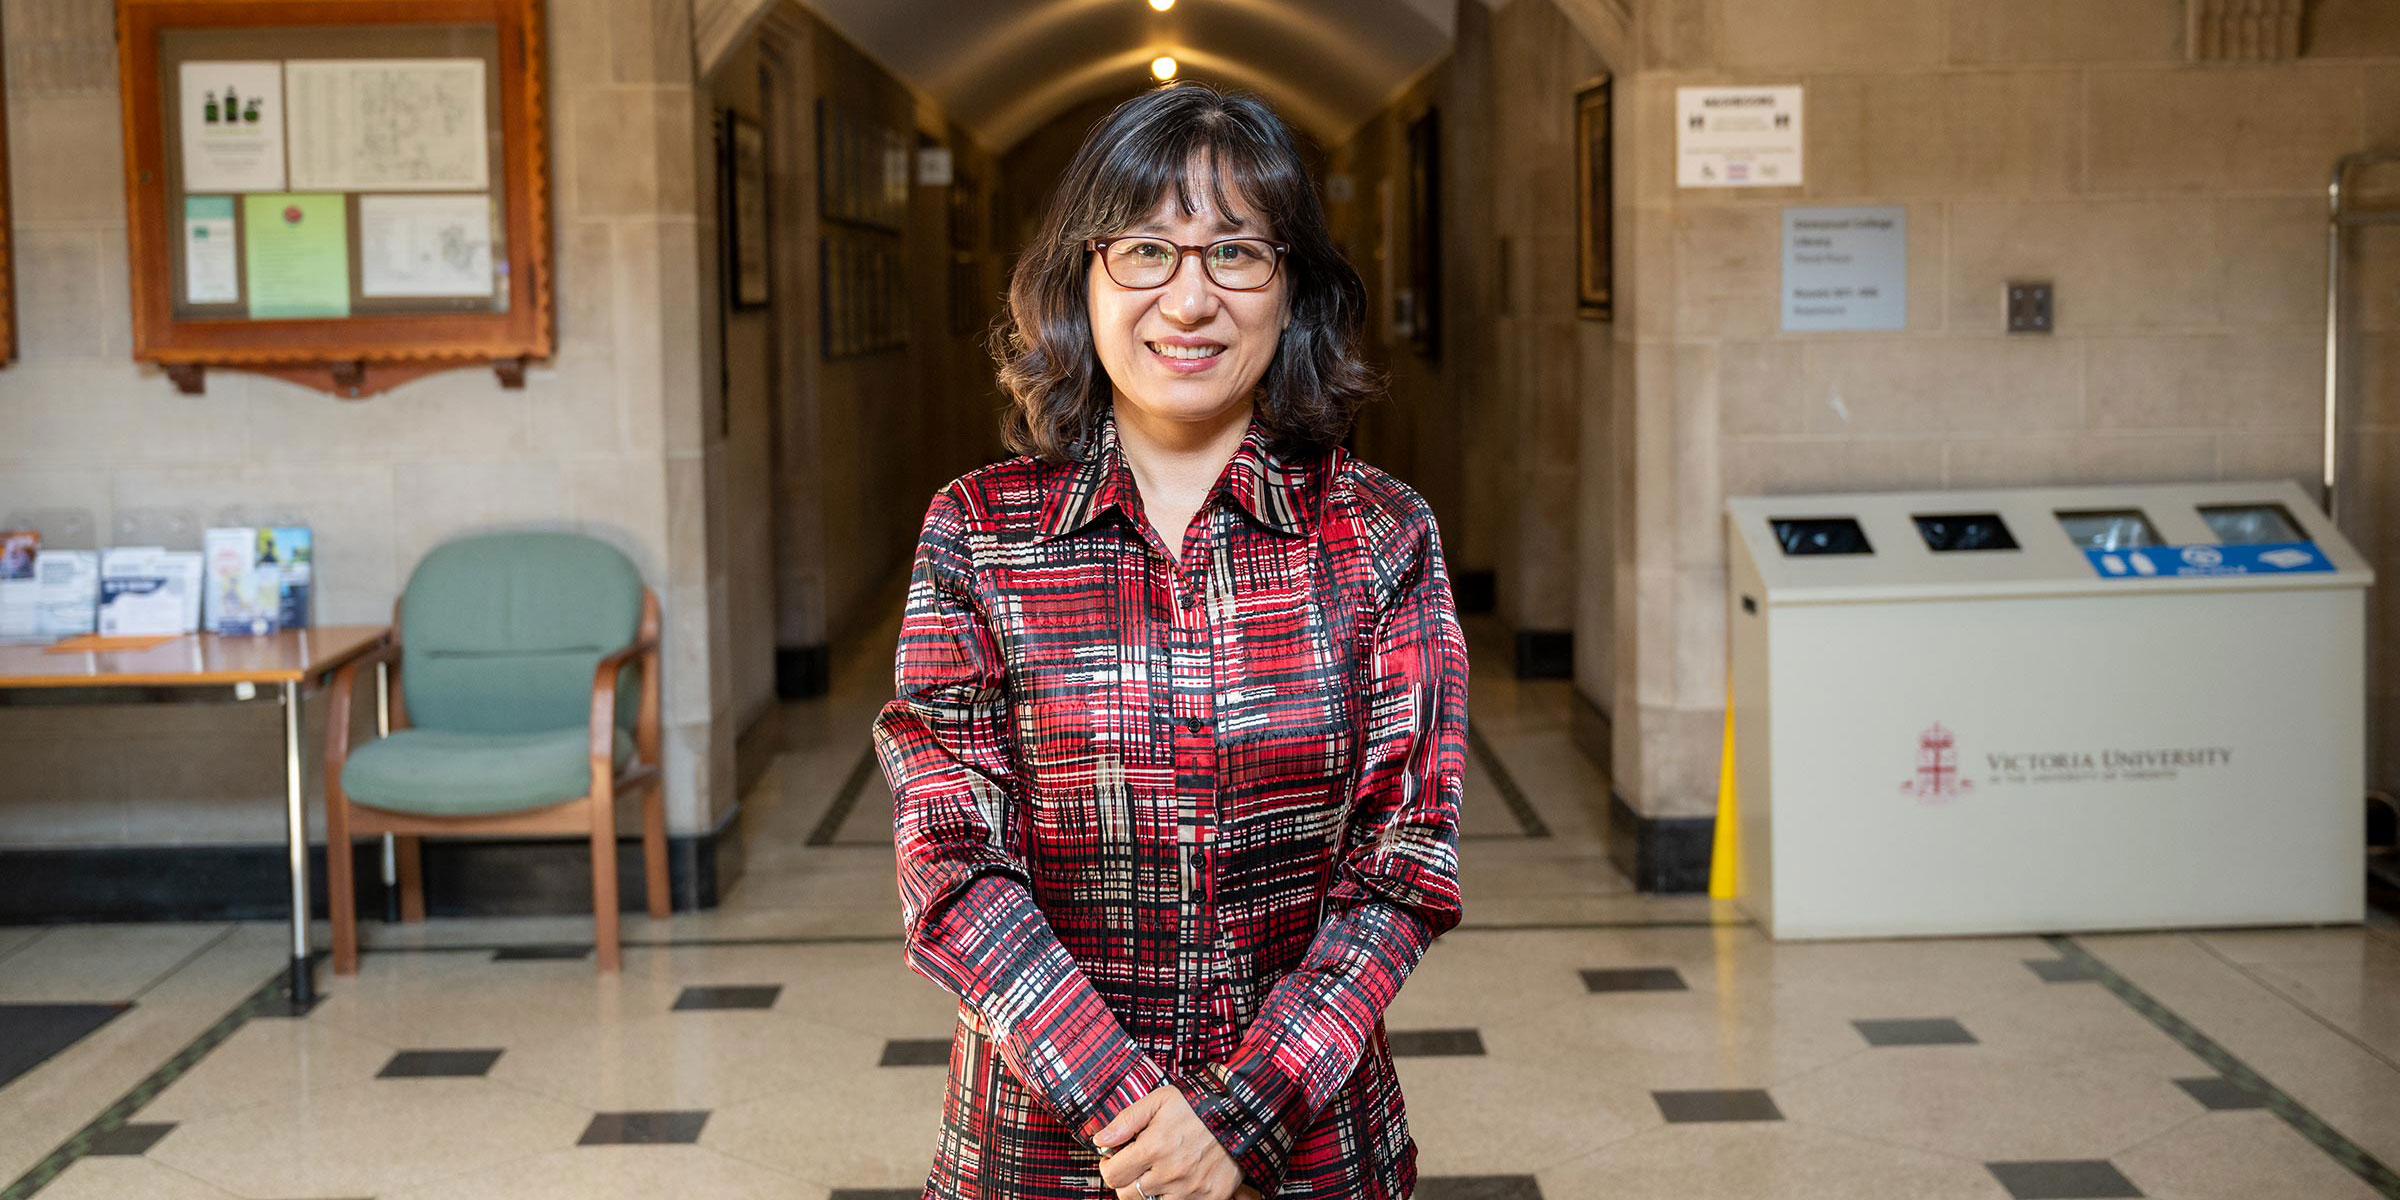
(510, 715)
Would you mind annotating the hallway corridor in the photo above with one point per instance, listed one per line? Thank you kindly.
(1571, 1039)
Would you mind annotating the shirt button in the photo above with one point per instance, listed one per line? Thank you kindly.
(1193, 725)
(1191, 600)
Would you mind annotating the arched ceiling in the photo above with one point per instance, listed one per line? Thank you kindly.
(1002, 67)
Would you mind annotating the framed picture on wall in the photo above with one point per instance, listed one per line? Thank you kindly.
(1595, 198)
(747, 257)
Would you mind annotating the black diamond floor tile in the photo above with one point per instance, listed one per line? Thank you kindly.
(698, 999)
(1635, 979)
(1936, 1031)
(1735, 1104)
(2088, 1179)
(644, 1128)
(1434, 1043)
(128, 1140)
(2218, 1094)
(2061, 970)
(1478, 1187)
(916, 1052)
(439, 1064)
(541, 953)
(31, 1033)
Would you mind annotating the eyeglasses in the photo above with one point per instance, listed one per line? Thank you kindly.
(1235, 264)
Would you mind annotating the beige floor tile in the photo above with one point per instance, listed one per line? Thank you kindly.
(865, 988)
(1766, 1161)
(1672, 1041)
(369, 1139)
(872, 1129)
(1498, 1116)
(2080, 1022)
(2238, 1156)
(685, 1060)
(1961, 1101)
(618, 1173)
(128, 1178)
(270, 1060)
(100, 963)
(451, 1000)
(2360, 998)
(2347, 944)
(16, 937)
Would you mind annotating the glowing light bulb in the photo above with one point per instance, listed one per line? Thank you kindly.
(1162, 5)
(1163, 67)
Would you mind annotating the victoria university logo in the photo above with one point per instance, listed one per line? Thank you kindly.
(1937, 775)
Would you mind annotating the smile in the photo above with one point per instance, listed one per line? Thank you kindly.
(1185, 353)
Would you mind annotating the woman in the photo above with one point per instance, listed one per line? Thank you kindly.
(1175, 759)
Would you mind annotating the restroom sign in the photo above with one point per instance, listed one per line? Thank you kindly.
(1737, 137)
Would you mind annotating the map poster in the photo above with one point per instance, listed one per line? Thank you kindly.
(425, 245)
(389, 125)
(231, 118)
(297, 255)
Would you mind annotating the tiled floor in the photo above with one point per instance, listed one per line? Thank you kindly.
(1573, 1039)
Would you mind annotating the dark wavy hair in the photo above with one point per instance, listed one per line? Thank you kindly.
(1048, 363)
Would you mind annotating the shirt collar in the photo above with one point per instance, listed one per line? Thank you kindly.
(1275, 491)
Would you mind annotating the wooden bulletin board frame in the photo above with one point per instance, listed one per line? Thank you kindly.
(1595, 203)
(367, 352)
(8, 245)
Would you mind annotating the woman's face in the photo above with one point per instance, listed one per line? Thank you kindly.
(1189, 351)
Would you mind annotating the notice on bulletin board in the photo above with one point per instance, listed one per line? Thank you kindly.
(425, 245)
(297, 255)
(1737, 137)
(389, 125)
(211, 269)
(232, 118)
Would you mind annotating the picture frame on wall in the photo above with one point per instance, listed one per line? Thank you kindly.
(1595, 201)
(749, 259)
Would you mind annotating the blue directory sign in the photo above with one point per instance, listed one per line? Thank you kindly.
(2151, 562)
(1845, 268)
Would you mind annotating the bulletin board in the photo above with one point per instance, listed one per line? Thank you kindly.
(348, 194)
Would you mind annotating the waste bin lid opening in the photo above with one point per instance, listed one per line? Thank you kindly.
(2108, 528)
(1820, 535)
(2252, 524)
(1946, 533)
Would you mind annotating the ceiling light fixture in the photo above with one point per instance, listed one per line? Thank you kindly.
(1162, 5)
(1163, 67)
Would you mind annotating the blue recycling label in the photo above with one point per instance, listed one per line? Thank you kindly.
(2266, 558)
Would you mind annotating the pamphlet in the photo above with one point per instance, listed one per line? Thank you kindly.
(242, 582)
(18, 588)
(141, 592)
(294, 552)
(67, 594)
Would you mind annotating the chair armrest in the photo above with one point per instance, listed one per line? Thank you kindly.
(643, 649)
(338, 702)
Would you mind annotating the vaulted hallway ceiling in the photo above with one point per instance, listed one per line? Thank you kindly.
(1002, 67)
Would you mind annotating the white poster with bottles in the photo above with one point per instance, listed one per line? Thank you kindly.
(232, 126)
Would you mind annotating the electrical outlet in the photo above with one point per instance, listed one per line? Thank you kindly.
(2029, 306)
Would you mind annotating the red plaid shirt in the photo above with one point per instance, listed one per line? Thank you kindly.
(1176, 822)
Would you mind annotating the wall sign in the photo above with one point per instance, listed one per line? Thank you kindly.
(2286, 558)
(1737, 137)
(1845, 269)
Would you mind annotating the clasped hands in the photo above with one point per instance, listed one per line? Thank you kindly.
(1158, 1147)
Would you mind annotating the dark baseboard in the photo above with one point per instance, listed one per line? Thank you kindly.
(1593, 732)
(1474, 591)
(1545, 654)
(466, 877)
(1660, 854)
(802, 671)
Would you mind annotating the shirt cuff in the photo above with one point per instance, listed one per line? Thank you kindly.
(1140, 1081)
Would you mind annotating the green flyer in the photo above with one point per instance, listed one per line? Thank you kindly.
(296, 251)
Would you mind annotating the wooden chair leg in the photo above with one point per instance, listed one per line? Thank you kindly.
(654, 850)
(407, 855)
(341, 889)
(604, 877)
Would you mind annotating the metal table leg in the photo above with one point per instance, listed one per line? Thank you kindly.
(391, 858)
(303, 987)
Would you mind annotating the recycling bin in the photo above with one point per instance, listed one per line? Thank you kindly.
(2046, 709)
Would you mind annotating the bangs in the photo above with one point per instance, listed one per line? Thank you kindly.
(1205, 164)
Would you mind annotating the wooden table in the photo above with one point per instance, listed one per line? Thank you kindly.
(285, 661)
